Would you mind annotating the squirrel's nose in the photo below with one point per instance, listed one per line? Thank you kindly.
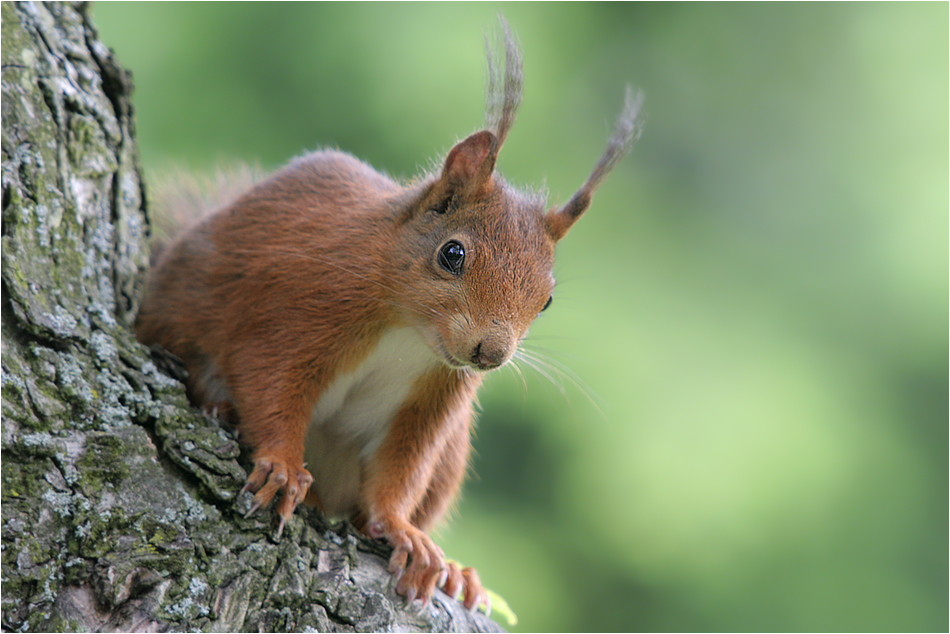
(486, 356)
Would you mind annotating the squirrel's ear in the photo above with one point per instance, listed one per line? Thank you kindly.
(471, 162)
(626, 132)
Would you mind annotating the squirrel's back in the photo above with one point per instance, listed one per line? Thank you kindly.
(181, 199)
(237, 252)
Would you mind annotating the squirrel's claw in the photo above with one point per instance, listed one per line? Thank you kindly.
(254, 508)
(419, 563)
(272, 476)
(454, 582)
(475, 594)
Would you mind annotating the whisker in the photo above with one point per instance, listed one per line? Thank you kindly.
(513, 364)
(540, 368)
(561, 370)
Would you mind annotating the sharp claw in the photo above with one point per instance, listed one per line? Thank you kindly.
(411, 595)
(395, 567)
(399, 574)
(473, 608)
(252, 510)
(280, 528)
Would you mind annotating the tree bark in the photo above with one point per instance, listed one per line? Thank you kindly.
(120, 505)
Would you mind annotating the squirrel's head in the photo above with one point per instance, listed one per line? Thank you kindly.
(480, 266)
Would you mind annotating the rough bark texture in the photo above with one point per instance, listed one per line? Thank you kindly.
(120, 507)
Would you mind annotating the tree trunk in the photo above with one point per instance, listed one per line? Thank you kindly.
(120, 505)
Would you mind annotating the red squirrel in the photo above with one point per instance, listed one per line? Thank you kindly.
(347, 320)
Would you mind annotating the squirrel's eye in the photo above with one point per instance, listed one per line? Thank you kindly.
(547, 303)
(452, 257)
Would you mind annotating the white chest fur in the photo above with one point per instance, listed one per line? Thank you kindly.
(358, 406)
(354, 413)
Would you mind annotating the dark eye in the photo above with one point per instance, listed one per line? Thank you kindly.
(547, 303)
(452, 257)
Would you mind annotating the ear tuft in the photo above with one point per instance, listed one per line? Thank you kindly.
(471, 161)
(626, 131)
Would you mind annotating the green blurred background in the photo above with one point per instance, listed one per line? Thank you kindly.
(756, 303)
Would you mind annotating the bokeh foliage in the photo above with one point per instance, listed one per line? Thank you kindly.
(756, 302)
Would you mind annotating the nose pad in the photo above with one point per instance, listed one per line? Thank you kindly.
(487, 356)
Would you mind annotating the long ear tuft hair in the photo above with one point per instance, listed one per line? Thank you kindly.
(626, 131)
(504, 84)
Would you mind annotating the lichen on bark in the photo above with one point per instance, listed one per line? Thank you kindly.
(120, 506)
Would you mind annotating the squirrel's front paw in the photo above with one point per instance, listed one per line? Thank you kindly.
(415, 555)
(272, 475)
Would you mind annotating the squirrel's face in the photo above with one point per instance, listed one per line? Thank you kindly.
(474, 260)
(479, 274)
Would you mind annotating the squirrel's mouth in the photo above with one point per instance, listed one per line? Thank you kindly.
(450, 359)
(437, 344)
(456, 364)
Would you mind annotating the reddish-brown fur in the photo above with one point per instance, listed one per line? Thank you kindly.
(272, 298)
